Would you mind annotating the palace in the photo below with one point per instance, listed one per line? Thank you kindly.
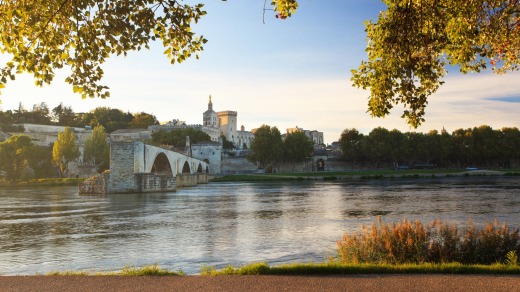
(215, 124)
(225, 123)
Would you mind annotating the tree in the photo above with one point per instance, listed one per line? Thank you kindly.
(351, 142)
(64, 116)
(39, 159)
(65, 150)
(177, 137)
(266, 148)
(412, 42)
(226, 144)
(46, 35)
(142, 120)
(110, 119)
(13, 156)
(97, 150)
(297, 147)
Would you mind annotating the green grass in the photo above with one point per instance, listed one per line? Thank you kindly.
(341, 269)
(336, 175)
(149, 270)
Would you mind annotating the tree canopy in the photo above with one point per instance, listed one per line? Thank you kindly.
(177, 137)
(478, 146)
(97, 149)
(297, 147)
(266, 148)
(65, 149)
(46, 35)
(411, 43)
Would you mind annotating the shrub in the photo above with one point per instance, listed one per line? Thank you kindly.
(438, 242)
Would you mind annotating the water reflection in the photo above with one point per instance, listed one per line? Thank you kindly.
(47, 229)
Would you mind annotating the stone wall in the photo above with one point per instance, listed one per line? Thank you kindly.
(202, 178)
(235, 165)
(186, 179)
(96, 184)
(209, 152)
(148, 182)
(121, 167)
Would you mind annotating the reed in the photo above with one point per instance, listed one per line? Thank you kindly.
(413, 242)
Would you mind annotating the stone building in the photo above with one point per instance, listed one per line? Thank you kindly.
(225, 123)
(215, 124)
(314, 136)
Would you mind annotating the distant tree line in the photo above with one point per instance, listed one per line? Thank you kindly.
(268, 147)
(479, 146)
(21, 159)
(61, 115)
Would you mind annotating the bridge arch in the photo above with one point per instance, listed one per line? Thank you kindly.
(186, 167)
(199, 169)
(161, 165)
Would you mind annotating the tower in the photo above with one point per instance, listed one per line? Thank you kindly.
(209, 117)
(228, 125)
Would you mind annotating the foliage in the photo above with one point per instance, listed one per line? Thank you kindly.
(226, 144)
(13, 154)
(142, 120)
(43, 36)
(266, 148)
(350, 141)
(148, 270)
(65, 116)
(39, 159)
(110, 119)
(297, 147)
(65, 150)
(97, 150)
(478, 146)
(412, 42)
(336, 268)
(285, 8)
(177, 137)
(413, 242)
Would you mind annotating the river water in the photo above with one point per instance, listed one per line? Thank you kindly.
(219, 224)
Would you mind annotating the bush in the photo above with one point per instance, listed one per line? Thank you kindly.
(407, 242)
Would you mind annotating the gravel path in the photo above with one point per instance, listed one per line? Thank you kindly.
(263, 283)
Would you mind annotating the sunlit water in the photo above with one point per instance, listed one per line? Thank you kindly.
(56, 229)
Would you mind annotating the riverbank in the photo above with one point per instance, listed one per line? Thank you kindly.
(358, 175)
(43, 182)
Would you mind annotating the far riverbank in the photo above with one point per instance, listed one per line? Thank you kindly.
(364, 174)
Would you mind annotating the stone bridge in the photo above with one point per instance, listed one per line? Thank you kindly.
(138, 167)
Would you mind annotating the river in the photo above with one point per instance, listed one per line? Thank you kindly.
(219, 224)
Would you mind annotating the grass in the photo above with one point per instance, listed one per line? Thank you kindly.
(334, 268)
(337, 175)
(329, 268)
(148, 270)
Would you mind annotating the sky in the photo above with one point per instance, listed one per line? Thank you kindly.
(283, 73)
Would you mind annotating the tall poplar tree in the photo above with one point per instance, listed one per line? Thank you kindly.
(65, 150)
(97, 150)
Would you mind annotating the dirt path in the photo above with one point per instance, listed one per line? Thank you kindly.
(263, 283)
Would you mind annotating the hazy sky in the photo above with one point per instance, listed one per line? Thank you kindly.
(283, 73)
